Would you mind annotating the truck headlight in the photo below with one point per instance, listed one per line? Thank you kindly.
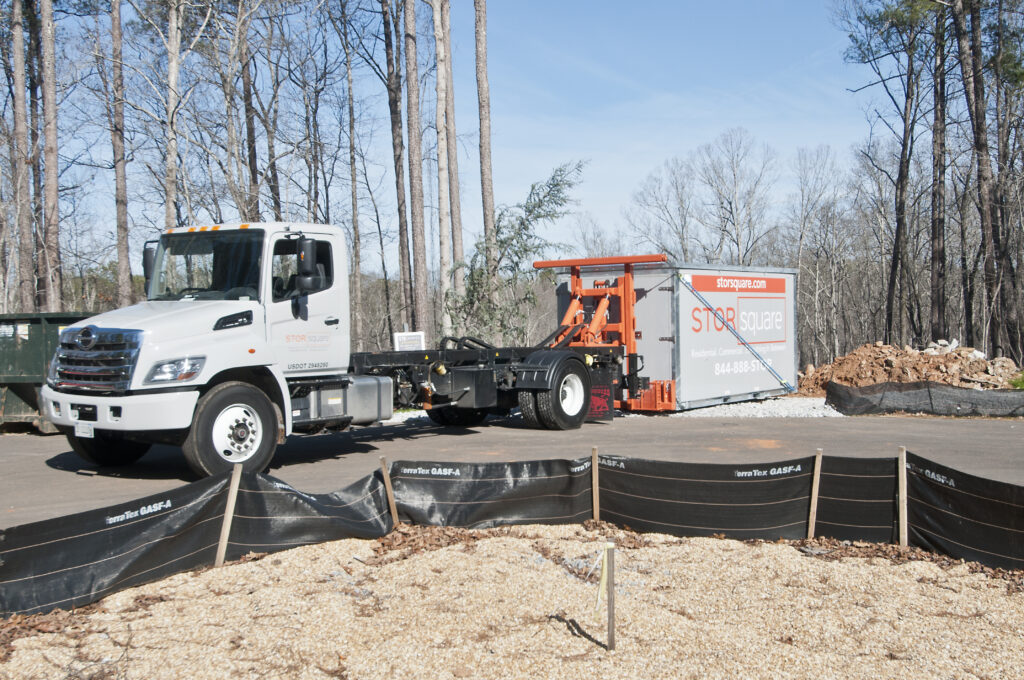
(175, 370)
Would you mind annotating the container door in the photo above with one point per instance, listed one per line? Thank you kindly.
(714, 365)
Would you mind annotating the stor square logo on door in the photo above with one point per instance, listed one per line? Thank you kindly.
(761, 319)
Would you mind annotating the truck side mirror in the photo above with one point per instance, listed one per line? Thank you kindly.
(148, 260)
(305, 279)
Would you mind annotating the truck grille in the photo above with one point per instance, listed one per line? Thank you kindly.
(96, 359)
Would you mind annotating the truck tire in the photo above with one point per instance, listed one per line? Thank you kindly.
(457, 417)
(234, 423)
(565, 405)
(107, 450)
(528, 407)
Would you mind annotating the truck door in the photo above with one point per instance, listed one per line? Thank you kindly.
(309, 332)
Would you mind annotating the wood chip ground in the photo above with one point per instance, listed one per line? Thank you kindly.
(520, 603)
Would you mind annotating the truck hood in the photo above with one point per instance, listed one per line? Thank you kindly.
(172, 319)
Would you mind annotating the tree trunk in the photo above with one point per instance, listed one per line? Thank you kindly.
(252, 208)
(392, 53)
(444, 227)
(173, 99)
(125, 290)
(22, 163)
(357, 284)
(51, 208)
(970, 56)
(483, 93)
(1006, 118)
(35, 122)
(902, 182)
(458, 256)
(938, 207)
(419, 246)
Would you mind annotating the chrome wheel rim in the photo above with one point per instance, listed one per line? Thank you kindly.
(237, 433)
(571, 394)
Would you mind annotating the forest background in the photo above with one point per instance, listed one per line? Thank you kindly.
(122, 118)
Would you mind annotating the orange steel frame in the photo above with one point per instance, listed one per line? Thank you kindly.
(598, 332)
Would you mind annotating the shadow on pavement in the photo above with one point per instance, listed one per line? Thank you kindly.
(167, 462)
(160, 462)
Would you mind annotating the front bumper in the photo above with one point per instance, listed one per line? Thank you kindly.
(128, 413)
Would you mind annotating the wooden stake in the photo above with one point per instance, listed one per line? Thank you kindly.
(594, 483)
(815, 483)
(390, 491)
(229, 514)
(610, 561)
(902, 494)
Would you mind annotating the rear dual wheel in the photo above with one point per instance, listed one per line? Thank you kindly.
(565, 405)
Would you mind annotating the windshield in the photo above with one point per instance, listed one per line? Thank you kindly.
(208, 265)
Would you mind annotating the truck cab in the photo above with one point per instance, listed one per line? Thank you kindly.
(242, 340)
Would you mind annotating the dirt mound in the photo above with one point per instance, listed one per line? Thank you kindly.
(942, 363)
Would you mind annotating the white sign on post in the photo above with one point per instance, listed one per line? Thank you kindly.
(410, 341)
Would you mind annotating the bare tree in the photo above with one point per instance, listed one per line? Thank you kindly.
(938, 189)
(412, 98)
(661, 210)
(885, 36)
(483, 94)
(458, 257)
(125, 290)
(357, 284)
(22, 163)
(444, 226)
(393, 56)
(50, 265)
(970, 57)
(737, 179)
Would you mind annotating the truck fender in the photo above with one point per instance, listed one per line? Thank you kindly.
(286, 409)
(538, 369)
(267, 378)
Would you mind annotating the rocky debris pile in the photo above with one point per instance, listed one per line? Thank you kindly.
(941, 362)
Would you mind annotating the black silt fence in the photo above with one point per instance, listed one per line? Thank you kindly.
(484, 495)
(270, 515)
(964, 516)
(857, 499)
(769, 501)
(923, 397)
(72, 561)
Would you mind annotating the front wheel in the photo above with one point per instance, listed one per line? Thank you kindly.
(234, 423)
(565, 406)
(107, 449)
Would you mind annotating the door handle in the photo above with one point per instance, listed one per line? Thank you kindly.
(331, 321)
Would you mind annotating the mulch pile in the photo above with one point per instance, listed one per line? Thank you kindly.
(871, 364)
(407, 541)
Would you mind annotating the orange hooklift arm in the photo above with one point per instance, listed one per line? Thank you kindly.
(595, 261)
(599, 331)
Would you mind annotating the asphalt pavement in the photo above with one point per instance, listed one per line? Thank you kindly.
(43, 479)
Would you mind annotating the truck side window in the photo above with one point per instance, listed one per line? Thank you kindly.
(285, 265)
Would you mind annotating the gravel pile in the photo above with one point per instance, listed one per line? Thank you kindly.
(948, 364)
(517, 603)
(779, 407)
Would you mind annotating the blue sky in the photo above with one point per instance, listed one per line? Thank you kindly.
(626, 86)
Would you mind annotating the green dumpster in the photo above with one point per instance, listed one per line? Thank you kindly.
(27, 343)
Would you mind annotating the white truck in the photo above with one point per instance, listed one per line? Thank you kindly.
(244, 340)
